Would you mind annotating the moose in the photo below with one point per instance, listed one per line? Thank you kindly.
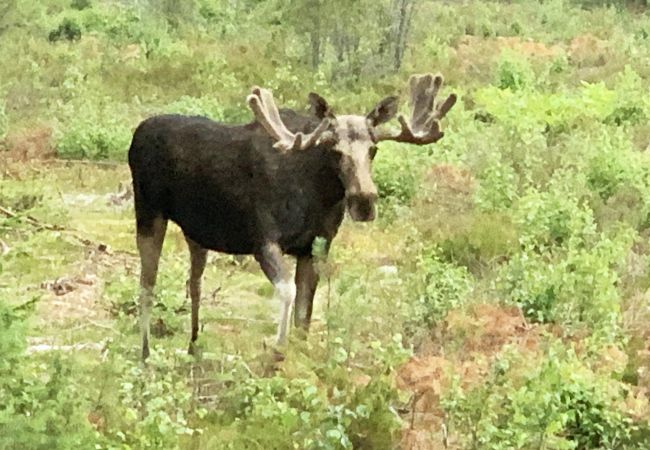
(265, 188)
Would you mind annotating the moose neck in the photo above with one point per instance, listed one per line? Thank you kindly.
(317, 168)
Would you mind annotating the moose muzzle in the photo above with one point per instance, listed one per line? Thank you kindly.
(361, 205)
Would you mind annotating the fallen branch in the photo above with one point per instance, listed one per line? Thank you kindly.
(5, 248)
(241, 319)
(85, 162)
(42, 348)
(75, 234)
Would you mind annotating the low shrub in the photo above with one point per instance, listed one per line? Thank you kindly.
(99, 131)
(329, 408)
(41, 407)
(575, 287)
(155, 404)
(68, 30)
(443, 286)
(543, 399)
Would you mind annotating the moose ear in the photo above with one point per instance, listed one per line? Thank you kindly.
(383, 112)
(319, 106)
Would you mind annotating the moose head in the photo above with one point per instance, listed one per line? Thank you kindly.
(353, 139)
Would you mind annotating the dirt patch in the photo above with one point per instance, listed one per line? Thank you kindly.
(77, 297)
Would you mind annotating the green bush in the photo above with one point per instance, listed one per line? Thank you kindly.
(553, 217)
(41, 406)
(68, 30)
(552, 400)
(327, 411)
(514, 72)
(155, 405)
(80, 4)
(576, 287)
(89, 139)
(444, 286)
(203, 106)
(497, 187)
(98, 131)
(397, 172)
(489, 237)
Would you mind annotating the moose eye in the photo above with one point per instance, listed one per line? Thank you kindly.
(373, 152)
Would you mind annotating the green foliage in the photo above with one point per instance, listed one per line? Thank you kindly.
(154, 404)
(80, 4)
(487, 238)
(203, 106)
(68, 30)
(41, 407)
(444, 287)
(553, 217)
(514, 72)
(575, 286)
(94, 133)
(552, 400)
(328, 411)
(397, 174)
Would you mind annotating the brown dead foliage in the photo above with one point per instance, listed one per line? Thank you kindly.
(32, 144)
(448, 176)
(446, 188)
(131, 52)
(470, 45)
(588, 51)
(486, 328)
(476, 54)
(477, 336)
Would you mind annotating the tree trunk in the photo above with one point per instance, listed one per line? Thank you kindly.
(403, 16)
(315, 34)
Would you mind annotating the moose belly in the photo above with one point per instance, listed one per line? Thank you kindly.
(213, 225)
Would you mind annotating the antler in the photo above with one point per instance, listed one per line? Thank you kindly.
(263, 106)
(424, 126)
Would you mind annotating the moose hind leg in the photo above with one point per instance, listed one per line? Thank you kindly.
(273, 266)
(306, 282)
(149, 239)
(198, 259)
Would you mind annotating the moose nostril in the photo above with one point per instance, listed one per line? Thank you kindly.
(363, 198)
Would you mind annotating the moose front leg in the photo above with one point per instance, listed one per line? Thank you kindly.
(273, 266)
(306, 282)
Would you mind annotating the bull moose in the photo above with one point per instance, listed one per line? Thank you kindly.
(265, 188)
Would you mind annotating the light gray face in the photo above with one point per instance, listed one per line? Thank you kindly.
(356, 149)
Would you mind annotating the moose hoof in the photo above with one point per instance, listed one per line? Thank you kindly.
(145, 353)
(193, 349)
(274, 348)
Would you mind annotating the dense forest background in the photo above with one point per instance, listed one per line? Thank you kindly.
(499, 301)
